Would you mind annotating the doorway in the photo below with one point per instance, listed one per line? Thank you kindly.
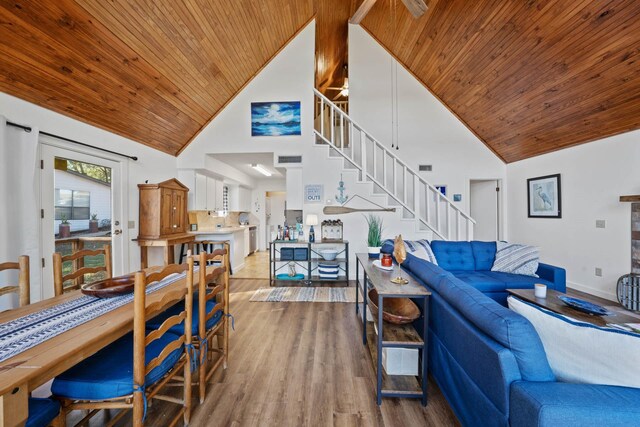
(484, 208)
(82, 208)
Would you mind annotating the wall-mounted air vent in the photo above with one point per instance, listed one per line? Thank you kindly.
(289, 159)
(425, 168)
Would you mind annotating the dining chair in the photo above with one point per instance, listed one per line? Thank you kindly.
(22, 289)
(42, 411)
(132, 371)
(79, 269)
(210, 307)
(213, 294)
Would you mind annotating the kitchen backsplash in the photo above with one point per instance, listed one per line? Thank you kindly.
(204, 220)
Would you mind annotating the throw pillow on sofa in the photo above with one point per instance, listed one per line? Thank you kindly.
(580, 352)
(516, 259)
(419, 248)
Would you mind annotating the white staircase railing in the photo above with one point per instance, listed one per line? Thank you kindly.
(377, 164)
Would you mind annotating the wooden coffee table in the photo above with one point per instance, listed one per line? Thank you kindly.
(553, 303)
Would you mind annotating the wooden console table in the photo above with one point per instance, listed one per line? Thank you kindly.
(390, 335)
(168, 243)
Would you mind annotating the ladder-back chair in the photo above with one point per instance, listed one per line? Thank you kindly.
(22, 289)
(79, 269)
(213, 311)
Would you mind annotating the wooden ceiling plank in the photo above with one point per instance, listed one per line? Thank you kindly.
(131, 31)
(579, 79)
(19, 75)
(50, 53)
(124, 66)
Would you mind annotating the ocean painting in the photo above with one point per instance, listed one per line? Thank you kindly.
(275, 118)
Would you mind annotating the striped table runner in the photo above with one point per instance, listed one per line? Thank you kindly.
(28, 331)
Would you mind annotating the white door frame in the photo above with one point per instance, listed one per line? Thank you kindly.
(49, 148)
(501, 203)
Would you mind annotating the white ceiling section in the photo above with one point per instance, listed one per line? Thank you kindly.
(243, 162)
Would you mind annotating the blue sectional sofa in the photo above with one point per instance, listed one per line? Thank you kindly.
(491, 366)
(471, 262)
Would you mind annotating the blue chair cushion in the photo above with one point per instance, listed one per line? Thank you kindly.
(484, 253)
(453, 255)
(177, 309)
(42, 412)
(109, 373)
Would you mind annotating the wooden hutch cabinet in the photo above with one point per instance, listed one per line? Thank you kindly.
(163, 209)
(163, 218)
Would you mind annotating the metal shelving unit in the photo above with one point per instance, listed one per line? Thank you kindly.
(310, 264)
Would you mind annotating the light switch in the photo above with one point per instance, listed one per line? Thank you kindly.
(598, 272)
(131, 225)
(600, 223)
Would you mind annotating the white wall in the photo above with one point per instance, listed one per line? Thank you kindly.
(593, 177)
(258, 207)
(152, 165)
(427, 132)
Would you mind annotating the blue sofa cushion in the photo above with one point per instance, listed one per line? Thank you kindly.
(109, 373)
(454, 255)
(177, 309)
(42, 412)
(494, 281)
(573, 405)
(484, 253)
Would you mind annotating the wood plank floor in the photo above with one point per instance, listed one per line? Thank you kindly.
(298, 364)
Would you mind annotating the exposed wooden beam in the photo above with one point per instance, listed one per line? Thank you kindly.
(362, 11)
(416, 7)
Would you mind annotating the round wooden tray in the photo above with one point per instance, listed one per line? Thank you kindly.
(396, 310)
(108, 288)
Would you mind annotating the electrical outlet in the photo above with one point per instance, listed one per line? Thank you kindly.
(131, 225)
(600, 223)
(598, 272)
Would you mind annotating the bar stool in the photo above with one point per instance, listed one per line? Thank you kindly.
(208, 246)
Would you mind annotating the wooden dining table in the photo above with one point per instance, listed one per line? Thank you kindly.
(28, 370)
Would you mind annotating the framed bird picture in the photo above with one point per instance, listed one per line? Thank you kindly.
(544, 197)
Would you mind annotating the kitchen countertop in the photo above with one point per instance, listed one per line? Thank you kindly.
(223, 230)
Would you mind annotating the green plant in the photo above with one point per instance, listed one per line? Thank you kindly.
(63, 219)
(374, 238)
(94, 217)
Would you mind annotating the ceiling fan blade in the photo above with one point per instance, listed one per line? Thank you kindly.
(416, 7)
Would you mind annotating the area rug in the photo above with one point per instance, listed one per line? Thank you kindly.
(310, 294)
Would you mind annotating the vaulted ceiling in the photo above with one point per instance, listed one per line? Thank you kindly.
(153, 71)
(527, 77)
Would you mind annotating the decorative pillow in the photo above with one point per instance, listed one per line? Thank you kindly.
(419, 248)
(580, 352)
(516, 259)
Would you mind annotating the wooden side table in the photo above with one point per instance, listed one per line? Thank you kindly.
(391, 335)
(168, 243)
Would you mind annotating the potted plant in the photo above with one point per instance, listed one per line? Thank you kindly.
(93, 223)
(374, 238)
(64, 229)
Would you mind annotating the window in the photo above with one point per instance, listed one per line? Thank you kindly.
(225, 199)
(72, 204)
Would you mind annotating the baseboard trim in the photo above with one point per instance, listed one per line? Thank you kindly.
(593, 291)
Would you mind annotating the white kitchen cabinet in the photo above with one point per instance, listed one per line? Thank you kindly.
(245, 199)
(200, 192)
(247, 245)
(218, 200)
(211, 194)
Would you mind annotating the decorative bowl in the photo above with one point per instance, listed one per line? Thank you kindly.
(112, 287)
(329, 254)
(396, 310)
